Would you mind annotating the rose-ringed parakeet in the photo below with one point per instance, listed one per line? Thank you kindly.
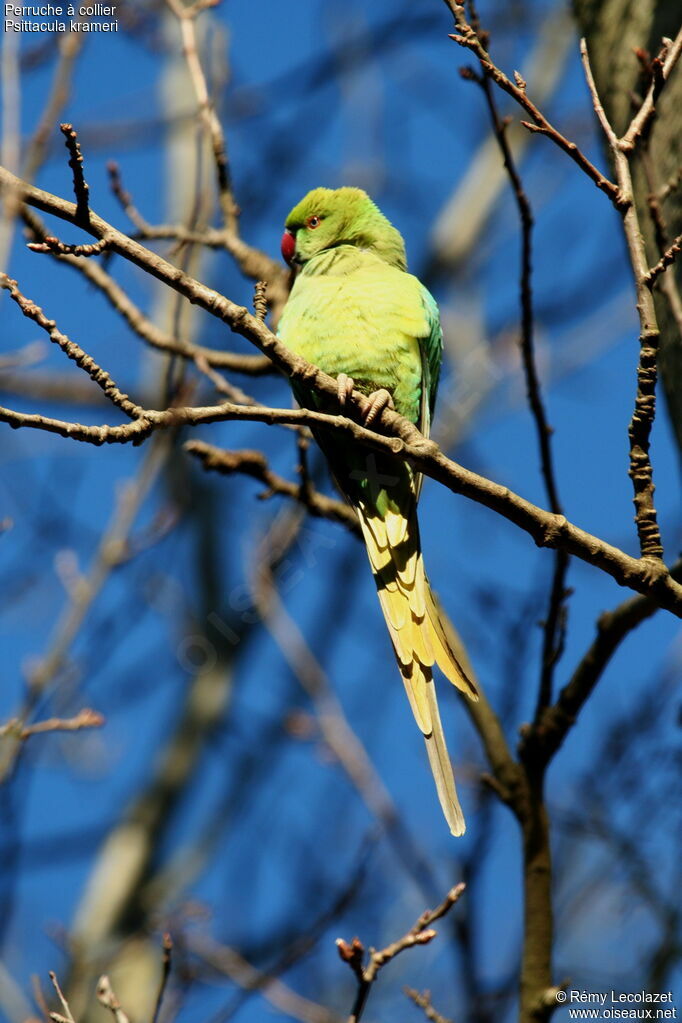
(356, 313)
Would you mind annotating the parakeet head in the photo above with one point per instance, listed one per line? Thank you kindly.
(327, 218)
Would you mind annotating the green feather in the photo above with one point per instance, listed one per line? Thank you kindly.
(354, 309)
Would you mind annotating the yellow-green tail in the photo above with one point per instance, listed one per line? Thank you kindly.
(421, 636)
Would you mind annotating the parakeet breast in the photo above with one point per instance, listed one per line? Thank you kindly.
(350, 312)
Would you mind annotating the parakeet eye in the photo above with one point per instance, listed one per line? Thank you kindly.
(313, 222)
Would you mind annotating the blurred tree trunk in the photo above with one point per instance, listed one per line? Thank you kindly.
(614, 29)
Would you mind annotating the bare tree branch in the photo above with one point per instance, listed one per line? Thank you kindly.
(64, 1004)
(641, 471)
(106, 996)
(165, 974)
(85, 718)
(467, 37)
(230, 962)
(71, 349)
(421, 933)
(423, 1001)
(554, 624)
(666, 260)
(663, 66)
(80, 186)
(254, 464)
(546, 529)
(252, 365)
(547, 736)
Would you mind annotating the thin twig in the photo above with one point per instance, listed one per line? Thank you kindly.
(186, 17)
(51, 244)
(255, 465)
(63, 1002)
(666, 62)
(231, 963)
(306, 490)
(146, 329)
(125, 199)
(467, 37)
(610, 134)
(423, 1001)
(85, 718)
(668, 284)
(222, 386)
(554, 624)
(613, 627)
(106, 996)
(666, 260)
(80, 186)
(166, 964)
(71, 349)
(421, 933)
(252, 261)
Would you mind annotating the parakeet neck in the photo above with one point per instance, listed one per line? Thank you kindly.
(339, 261)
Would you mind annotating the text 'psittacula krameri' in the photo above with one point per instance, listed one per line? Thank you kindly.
(356, 313)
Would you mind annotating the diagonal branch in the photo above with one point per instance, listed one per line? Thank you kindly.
(613, 627)
(106, 996)
(554, 624)
(255, 465)
(666, 260)
(232, 964)
(85, 718)
(421, 933)
(400, 436)
(468, 38)
(662, 67)
(423, 1001)
(67, 1017)
(118, 298)
(71, 349)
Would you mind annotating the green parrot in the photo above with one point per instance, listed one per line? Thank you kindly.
(356, 313)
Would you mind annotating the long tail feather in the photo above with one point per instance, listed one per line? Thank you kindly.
(441, 768)
(421, 636)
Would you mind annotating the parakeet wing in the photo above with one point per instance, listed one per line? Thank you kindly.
(431, 351)
(431, 346)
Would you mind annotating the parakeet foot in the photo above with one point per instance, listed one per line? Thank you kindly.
(345, 387)
(378, 401)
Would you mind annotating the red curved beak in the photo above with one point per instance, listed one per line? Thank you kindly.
(288, 247)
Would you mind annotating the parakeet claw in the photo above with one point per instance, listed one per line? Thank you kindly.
(378, 401)
(346, 386)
